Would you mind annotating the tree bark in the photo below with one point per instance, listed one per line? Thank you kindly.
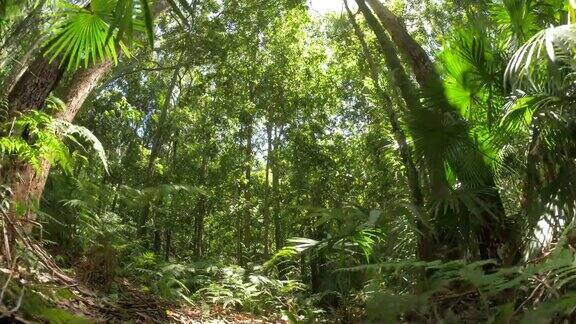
(27, 183)
(419, 61)
(32, 89)
(395, 68)
(19, 67)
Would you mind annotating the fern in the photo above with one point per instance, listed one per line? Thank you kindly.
(74, 132)
(46, 141)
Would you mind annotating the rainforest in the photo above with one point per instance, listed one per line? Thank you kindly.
(287, 161)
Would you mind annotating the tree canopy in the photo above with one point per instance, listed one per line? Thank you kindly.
(254, 160)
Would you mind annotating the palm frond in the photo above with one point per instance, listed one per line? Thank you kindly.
(549, 53)
(81, 35)
(517, 19)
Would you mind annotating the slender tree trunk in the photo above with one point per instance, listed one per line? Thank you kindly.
(278, 228)
(426, 246)
(266, 212)
(168, 242)
(199, 228)
(318, 260)
(157, 240)
(201, 211)
(239, 222)
(168, 231)
(246, 221)
(157, 142)
(396, 69)
(419, 61)
(400, 137)
(141, 230)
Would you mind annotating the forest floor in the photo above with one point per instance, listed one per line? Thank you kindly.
(140, 307)
(78, 304)
(41, 292)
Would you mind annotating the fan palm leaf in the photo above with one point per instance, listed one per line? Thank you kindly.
(96, 32)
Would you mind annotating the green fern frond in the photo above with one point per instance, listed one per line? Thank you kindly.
(73, 131)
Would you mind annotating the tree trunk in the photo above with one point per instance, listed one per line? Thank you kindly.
(318, 271)
(201, 211)
(199, 229)
(28, 184)
(157, 241)
(278, 228)
(168, 242)
(496, 231)
(32, 89)
(266, 211)
(247, 214)
(396, 69)
(19, 67)
(399, 136)
(419, 61)
(157, 142)
(30, 92)
(426, 250)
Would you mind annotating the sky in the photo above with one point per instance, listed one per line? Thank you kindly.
(325, 6)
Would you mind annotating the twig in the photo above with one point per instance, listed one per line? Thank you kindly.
(7, 252)
(19, 303)
(17, 307)
(10, 275)
(553, 290)
(532, 295)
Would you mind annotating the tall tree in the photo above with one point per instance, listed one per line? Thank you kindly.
(31, 91)
(425, 249)
(464, 155)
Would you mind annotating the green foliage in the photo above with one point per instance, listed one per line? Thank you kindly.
(9, 9)
(251, 165)
(211, 283)
(46, 141)
(93, 33)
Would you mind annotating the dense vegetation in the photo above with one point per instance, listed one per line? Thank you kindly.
(393, 161)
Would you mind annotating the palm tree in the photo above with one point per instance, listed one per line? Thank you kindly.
(469, 209)
(542, 78)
